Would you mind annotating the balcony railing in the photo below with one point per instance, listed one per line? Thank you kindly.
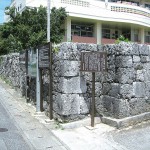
(130, 3)
(132, 8)
(76, 2)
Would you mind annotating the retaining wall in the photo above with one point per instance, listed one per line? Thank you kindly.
(12, 71)
(121, 92)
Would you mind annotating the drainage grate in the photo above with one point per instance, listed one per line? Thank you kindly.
(3, 130)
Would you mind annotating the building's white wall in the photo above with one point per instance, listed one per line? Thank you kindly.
(98, 32)
(142, 36)
(97, 11)
(36, 3)
(68, 27)
(6, 18)
(93, 9)
(19, 5)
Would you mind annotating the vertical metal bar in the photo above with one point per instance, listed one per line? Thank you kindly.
(48, 20)
(27, 77)
(50, 85)
(26, 61)
(41, 90)
(27, 88)
(93, 99)
(38, 84)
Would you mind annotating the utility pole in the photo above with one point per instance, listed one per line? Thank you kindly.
(39, 103)
(50, 69)
(48, 20)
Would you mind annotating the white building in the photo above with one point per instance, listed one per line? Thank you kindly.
(21, 5)
(101, 21)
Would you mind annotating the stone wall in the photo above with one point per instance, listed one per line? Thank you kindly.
(128, 93)
(12, 71)
(122, 91)
(69, 84)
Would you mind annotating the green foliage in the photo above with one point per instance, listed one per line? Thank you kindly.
(121, 39)
(6, 80)
(58, 17)
(55, 48)
(29, 28)
(1, 60)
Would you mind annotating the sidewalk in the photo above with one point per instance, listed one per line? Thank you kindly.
(45, 135)
(24, 116)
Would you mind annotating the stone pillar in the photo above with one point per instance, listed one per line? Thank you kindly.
(132, 34)
(98, 32)
(142, 35)
(68, 29)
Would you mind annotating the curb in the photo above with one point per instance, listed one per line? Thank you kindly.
(80, 123)
(126, 122)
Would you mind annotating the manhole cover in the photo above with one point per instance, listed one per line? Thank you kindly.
(3, 130)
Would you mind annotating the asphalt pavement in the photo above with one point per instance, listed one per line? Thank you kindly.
(135, 137)
(11, 137)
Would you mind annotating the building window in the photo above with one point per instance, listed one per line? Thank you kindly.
(126, 34)
(136, 37)
(115, 34)
(147, 37)
(113, 0)
(106, 33)
(147, 6)
(84, 30)
(20, 6)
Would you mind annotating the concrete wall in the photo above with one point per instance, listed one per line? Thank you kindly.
(121, 92)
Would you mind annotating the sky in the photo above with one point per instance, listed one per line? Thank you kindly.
(3, 4)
